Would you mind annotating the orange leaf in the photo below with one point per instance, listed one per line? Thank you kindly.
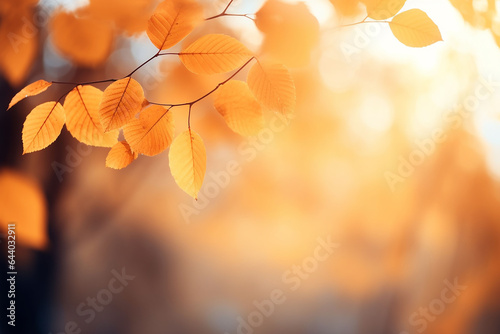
(172, 21)
(23, 203)
(188, 162)
(82, 117)
(120, 156)
(85, 41)
(19, 44)
(215, 53)
(152, 133)
(32, 89)
(241, 111)
(42, 126)
(273, 86)
(121, 101)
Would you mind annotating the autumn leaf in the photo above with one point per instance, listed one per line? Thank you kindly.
(188, 162)
(84, 40)
(215, 53)
(241, 111)
(290, 31)
(383, 9)
(414, 28)
(172, 21)
(152, 133)
(23, 203)
(42, 126)
(121, 101)
(32, 89)
(82, 117)
(273, 86)
(120, 156)
(19, 48)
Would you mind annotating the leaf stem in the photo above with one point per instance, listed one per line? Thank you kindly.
(225, 13)
(192, 103)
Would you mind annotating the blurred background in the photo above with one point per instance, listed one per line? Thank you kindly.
(394, 154)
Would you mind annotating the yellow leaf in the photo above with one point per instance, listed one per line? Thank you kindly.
(414, 28)
(42, 126)
(23, 203)
(241, 111)
(120, 156)
(383, 9)
(215, 53)
(120, 102)
(32, 89)
(82, 117)
(152, 133)
(273, 87)
(188, 162)
(172, 21)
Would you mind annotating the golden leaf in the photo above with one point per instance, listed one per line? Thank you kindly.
(152, 133)
(383, 9)
(120, 102)
(215, 53)
(241, 111)
(172, 21)
(23, 203)
(42, 126)
(188, 162)
(82, 117)
(273, 86)
(414, 28)
(32, 89)
(120, 156)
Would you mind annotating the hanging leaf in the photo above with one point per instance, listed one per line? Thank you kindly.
(241, 111)
(383, 9)
(42, 126)
(172, 21)
(32, 89)
(120, 102)
(188, 162)
(82, 117)
(273, 86)
(120, 156)
(414, 28)
(215, 53)
(152, 133)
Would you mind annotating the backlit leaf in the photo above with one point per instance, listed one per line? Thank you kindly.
(414, 28)
(32, 89)
(152, 133)
(82, 117)
(383, 9)
(120, 156)
(241, 111)
(121, 101)
(42, 126)
(172, 21)
(273, 87)
(188, 162)
(215, 53)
